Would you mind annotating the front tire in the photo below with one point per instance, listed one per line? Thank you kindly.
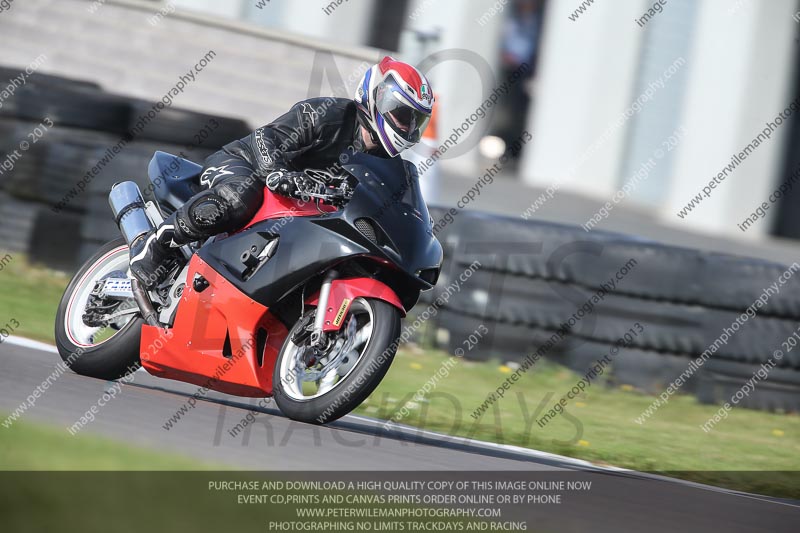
(354, 383)
(106, 353)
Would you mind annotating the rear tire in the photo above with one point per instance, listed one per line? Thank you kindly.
(114, 357)
(358, 384)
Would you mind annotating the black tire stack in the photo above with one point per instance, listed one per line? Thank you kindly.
(535, 276)
(87, 122)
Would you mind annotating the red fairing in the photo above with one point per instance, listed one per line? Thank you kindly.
(344, 291)
(214, 342)
(278, 206)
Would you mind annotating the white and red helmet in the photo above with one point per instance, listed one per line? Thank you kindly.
(395, 102)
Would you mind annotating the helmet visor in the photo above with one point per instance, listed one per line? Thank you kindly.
(404, 116)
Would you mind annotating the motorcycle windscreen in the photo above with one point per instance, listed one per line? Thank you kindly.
(389, 196)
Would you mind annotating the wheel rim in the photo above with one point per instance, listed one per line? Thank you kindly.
(79, 333)
(302, 382)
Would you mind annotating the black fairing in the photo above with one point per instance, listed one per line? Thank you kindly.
(175, 180)
(388, 195)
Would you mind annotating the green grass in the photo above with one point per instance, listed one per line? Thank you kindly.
(29, 295)
(602, 428)
(25, 446)
(599, 426)
(51, 481)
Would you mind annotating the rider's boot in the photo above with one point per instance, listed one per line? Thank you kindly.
(154, 255)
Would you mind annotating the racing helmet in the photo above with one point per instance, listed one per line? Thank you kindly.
(394, 102)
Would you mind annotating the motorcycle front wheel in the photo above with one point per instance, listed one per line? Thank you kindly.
(320, 387)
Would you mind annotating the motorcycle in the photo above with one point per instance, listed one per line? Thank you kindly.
(303, 304)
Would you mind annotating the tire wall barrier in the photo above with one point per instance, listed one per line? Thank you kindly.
(537, 279)
(54, 132)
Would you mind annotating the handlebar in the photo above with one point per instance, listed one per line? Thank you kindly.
(336, 194)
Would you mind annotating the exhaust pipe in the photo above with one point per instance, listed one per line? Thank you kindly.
(128, 208)
(145, 305)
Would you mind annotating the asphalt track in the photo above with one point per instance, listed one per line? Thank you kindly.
(619, 501)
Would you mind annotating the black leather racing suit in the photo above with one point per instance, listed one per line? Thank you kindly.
(315, 134)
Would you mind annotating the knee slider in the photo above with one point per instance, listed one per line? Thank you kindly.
(208, 212)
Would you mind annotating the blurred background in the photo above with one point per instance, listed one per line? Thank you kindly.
(605, 88)
(735, 69)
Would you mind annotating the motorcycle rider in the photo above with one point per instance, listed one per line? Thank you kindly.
(391, 108)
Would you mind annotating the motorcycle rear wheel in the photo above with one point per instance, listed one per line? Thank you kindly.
(109, 352)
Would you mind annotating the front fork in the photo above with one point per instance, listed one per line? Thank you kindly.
(317, 339)
(337, 295)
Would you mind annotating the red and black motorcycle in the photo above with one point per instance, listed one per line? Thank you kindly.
(303, 304)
